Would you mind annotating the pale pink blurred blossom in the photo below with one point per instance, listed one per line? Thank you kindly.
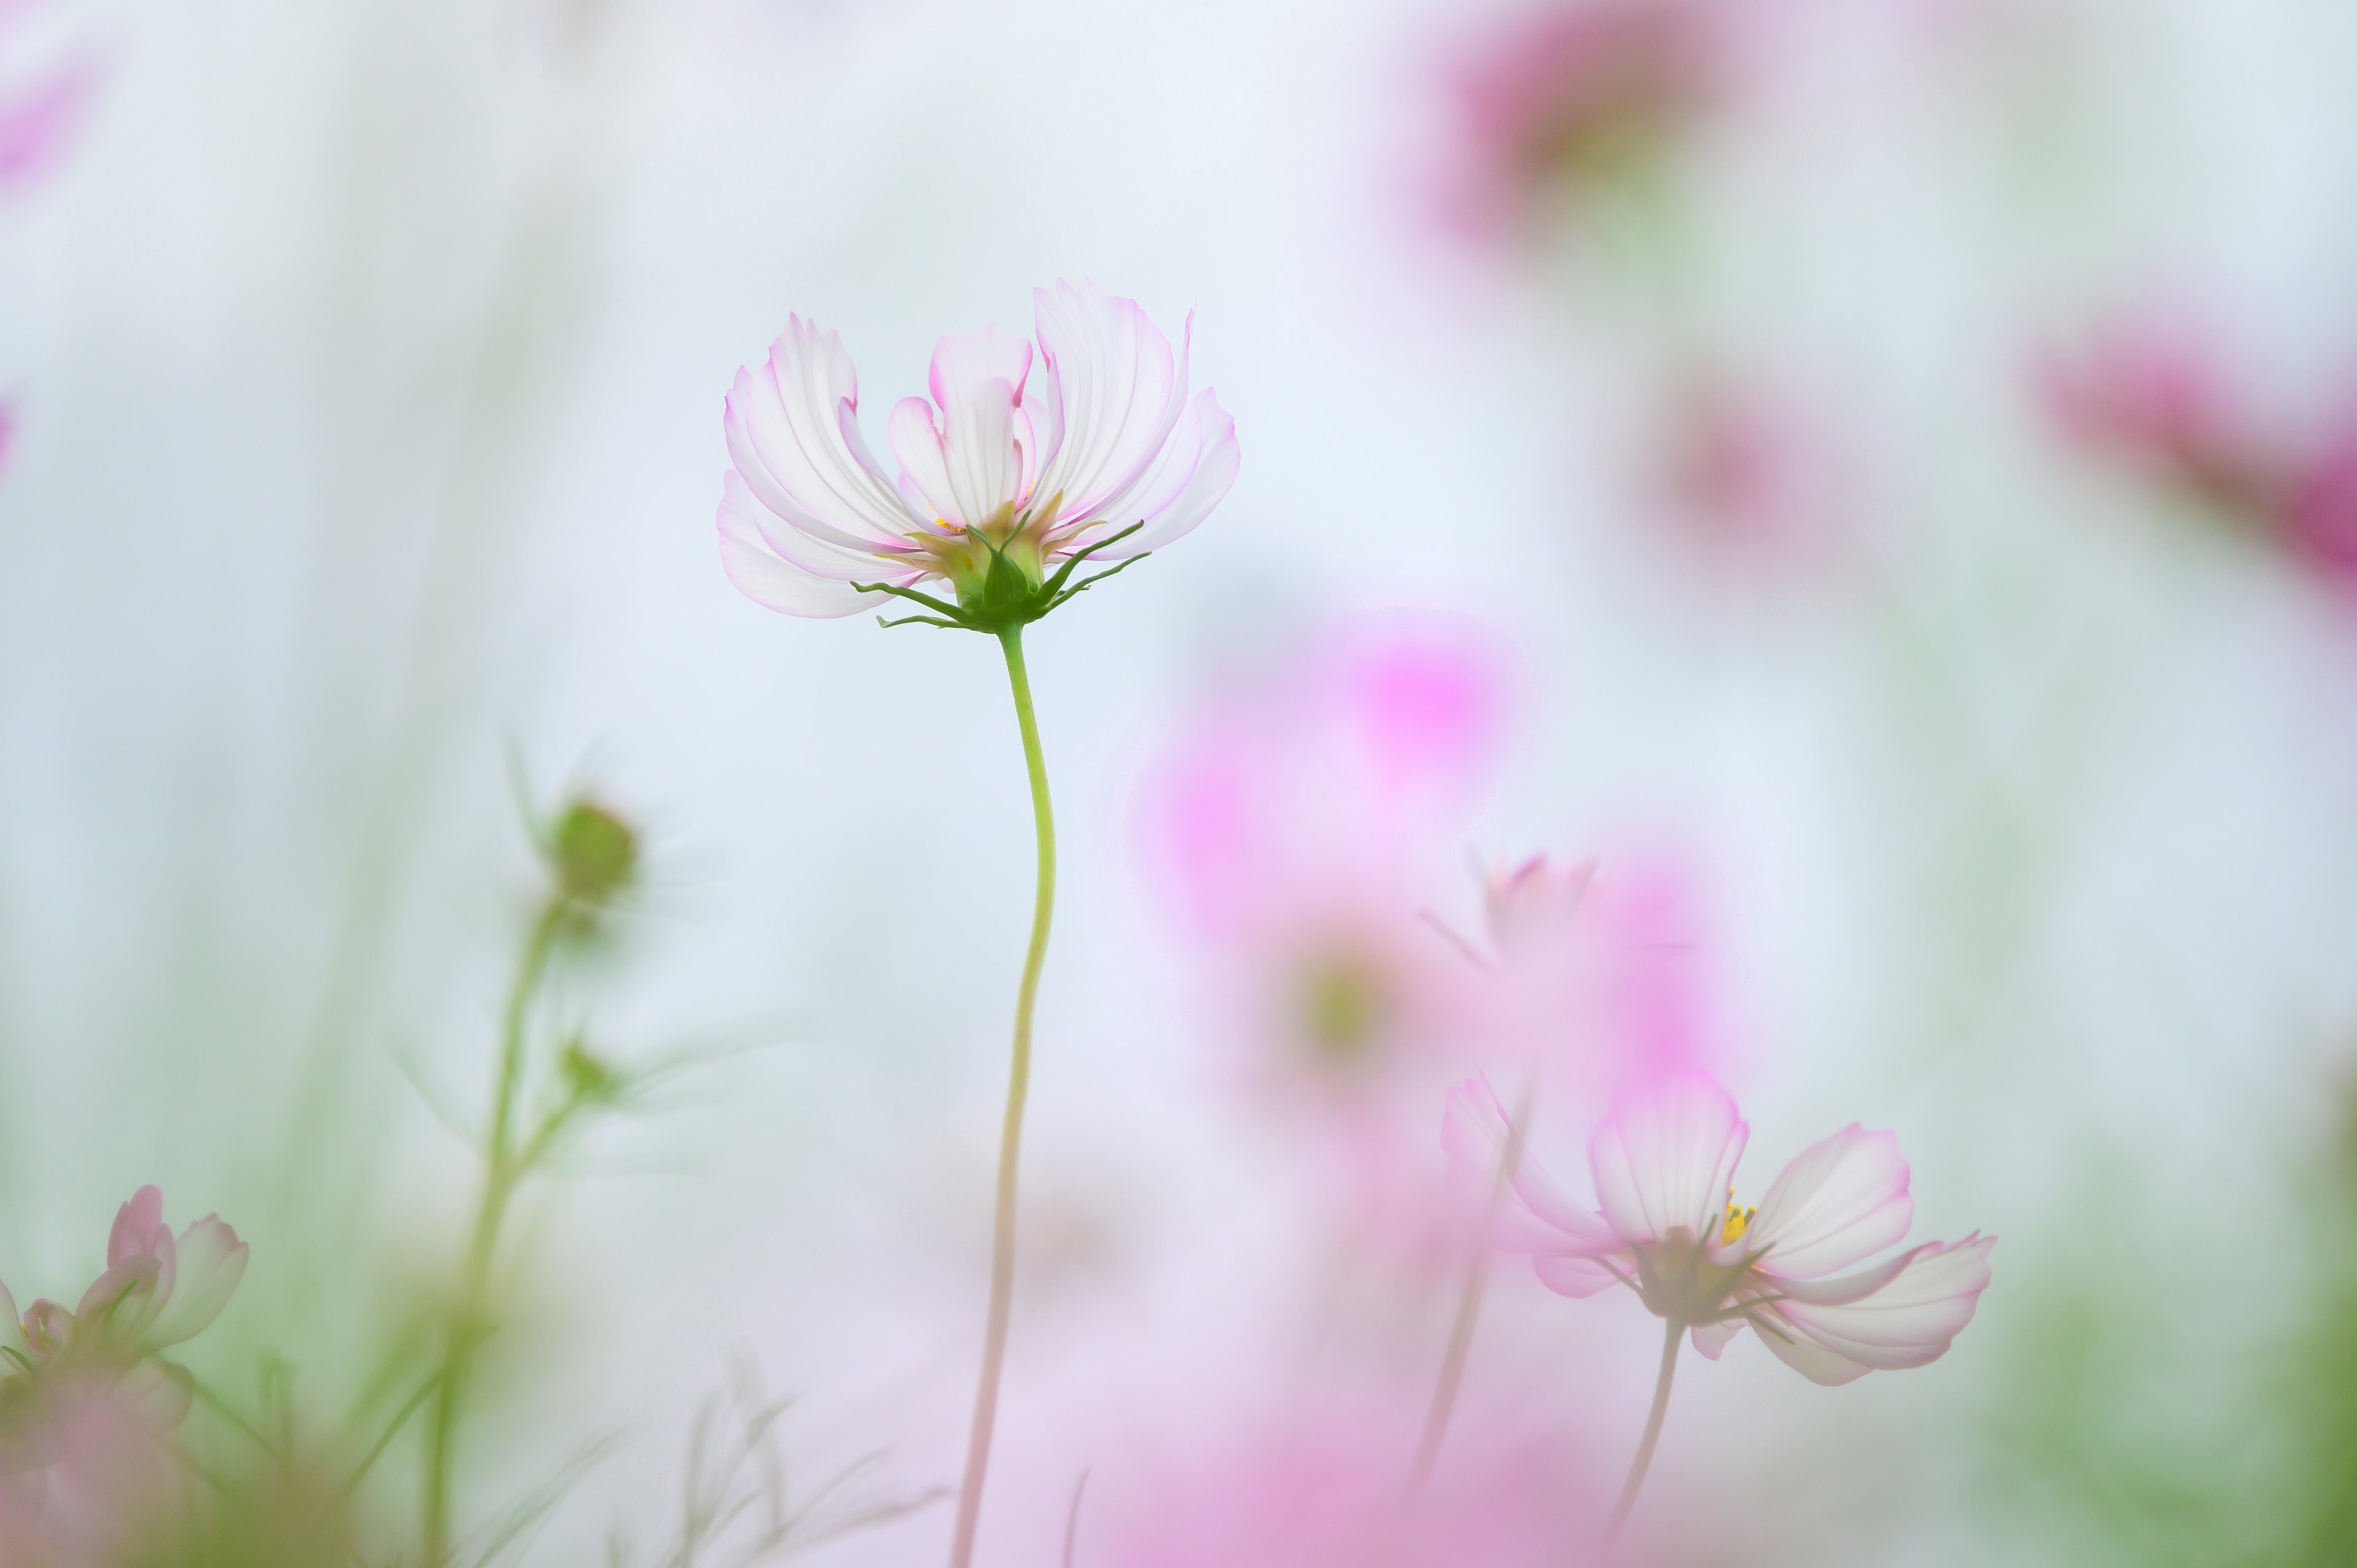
(1295, 832)
(1298, 828)
(1000, 463)
(87, 1400)
(40, 107)
(1308, 1491)
(1552, 101)
(1663, 1164)
(2162, 396)
(1592, 974)
(1748, 476)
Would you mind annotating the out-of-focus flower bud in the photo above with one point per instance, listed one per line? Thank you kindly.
(592, 852)
(589, 1081)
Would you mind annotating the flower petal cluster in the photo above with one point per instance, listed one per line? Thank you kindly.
(1023, 462)
(159, 1289)
(1666, 1226)
(1577, 94)
(2155, 392)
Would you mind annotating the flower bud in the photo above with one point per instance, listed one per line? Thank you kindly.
(592, 852)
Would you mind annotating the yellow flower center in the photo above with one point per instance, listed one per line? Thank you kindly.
(1738, 1220)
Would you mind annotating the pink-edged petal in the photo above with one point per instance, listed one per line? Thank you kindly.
(1664, 1159)
(1202, 459)
(1813, 1361)
(1710, 1338)
(965, 362)
(1911, 1319)
(1579, 1274)
(12, 1329)
(47, 1327)
(138, 1227)
(1474, 1132)
(211, 1261)
(766, 579)
(794, 431)
(122, 1302)
(1843, 1198)
(1118, 393)
(975, 457)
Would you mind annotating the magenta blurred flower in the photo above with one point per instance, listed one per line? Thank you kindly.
(1747, 475)
(1663, 1164)
(1298, 827)
(1309, 1492)
(2159, 395)
(1574, 94)
(1592, 978)
(1005, 482)
(38, 112)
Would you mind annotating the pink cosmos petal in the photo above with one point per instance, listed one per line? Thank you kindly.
(966, 466)
(122, 1302)
(211, 1261)
(976, 457)
(1843, 1198)
(47, 1327)
(1665, 1157)
(1474, 1131)
(1117, 394)
(139, 1229)
(793, 435)
(762, 574)
(1910, 1321)
(1578, 1275)
(1811, 1360)
(1710, 1338)
(1199, 467)
(12, 1327)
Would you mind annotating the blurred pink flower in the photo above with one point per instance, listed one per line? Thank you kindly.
(1300, 824)
(1295, 832)
(86, 1400)
(997, 467)
(38, 112)
(1747, 476)
(1592, 976)
(1663, 1164)
(1573, 94)
(2158, 395)
(1309, 1492)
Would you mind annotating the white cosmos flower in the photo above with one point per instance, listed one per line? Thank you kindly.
(999, 466)
(1668, 1228)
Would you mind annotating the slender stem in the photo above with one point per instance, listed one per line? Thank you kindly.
(1011, 1143)
(1468, 1304)
(498, 1184)
(1652, 1431)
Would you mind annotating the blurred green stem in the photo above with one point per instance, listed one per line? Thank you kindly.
(1469, 1306)
(1653, 1433)
(500, 1169)
(1018, 1083)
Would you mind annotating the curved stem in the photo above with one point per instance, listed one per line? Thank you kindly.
(1652, 1431)
(1468, 1304)
(1011, 1143)
(498, 1184)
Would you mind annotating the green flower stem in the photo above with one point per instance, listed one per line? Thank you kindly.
(500, 1172)
(1018, 1083)
(1653, 1433)
(1468, 1304)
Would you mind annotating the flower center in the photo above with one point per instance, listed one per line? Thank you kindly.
(1737, 1221)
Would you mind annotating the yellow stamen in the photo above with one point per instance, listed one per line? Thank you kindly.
(1738, 1220)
